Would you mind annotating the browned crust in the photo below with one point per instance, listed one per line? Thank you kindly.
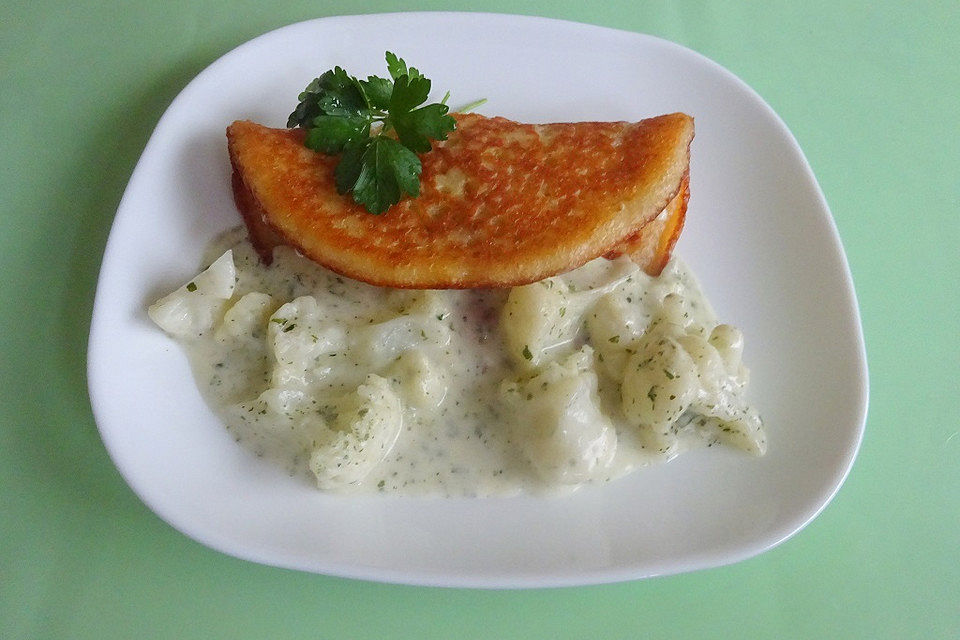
(263, 237)
(501, 204)
(652, 246)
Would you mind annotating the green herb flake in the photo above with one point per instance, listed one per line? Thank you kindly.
(669, 374)
(191, 287)
(652, 394)
(290, 327)
(615, 339)
(526, 352)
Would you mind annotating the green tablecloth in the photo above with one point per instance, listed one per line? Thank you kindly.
(871, 93)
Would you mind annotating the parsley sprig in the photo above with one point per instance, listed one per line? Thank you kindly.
(379, 125)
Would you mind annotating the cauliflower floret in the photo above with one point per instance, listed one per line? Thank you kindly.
(193, 309)
(682, 300)
(679, 377)
(559, 425)
(540, 319)
(246, 319)
(728, 341)
(534, 321)
(286, 420)
(422, 383)
(299, 335)
(365, 428)
(659, 383)
(614, 328)
(380, 344)
(720, 397)
(711, 368)
(743, 432)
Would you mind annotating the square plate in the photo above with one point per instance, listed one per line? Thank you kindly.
(758, 234)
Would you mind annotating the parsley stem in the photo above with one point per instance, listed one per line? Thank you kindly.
(470, 106)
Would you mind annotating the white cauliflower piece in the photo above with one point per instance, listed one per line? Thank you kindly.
(559, 425)
(720, 397)
(659, 383)
(193, 309)
(422, 383)
(246, 319)
(679, 377)
(744, 432)
(365, 428)
(536, 319)
(286, 420)
(614, 328)
(301, 339)
(540, 319)
(728, 341)
(427, 303)
(380, 344)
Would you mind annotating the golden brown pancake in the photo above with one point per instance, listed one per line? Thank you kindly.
(501, 203)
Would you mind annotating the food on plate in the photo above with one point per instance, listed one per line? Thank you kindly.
(510, 320)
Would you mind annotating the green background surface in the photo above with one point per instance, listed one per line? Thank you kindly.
(871, 93)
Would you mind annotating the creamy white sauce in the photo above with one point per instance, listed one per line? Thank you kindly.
(577, 379)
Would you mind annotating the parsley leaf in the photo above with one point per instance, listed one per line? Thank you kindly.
(348, 170)
(408, 93)
(334, 93)
(416, 128)
(356, 118)
(378, 91)
(397, 67)
(387, 170)
(330, 134)
(343, 95)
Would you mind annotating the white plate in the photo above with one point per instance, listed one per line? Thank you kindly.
(759, 235)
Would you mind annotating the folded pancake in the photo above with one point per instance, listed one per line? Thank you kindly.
(652, 246)
(501, 203)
